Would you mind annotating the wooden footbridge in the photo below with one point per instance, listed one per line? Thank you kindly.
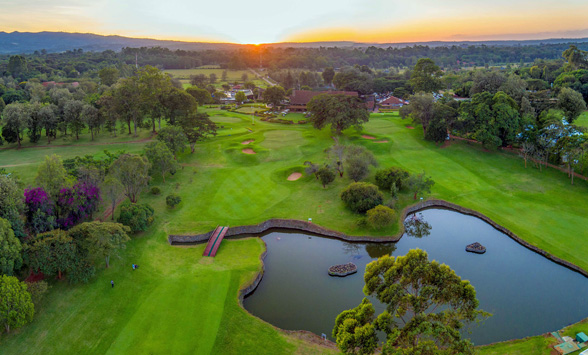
(214, 241)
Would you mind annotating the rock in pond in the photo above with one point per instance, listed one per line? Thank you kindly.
(343, 269)
(476, 248)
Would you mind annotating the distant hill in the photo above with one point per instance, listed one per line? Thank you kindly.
(28, 42)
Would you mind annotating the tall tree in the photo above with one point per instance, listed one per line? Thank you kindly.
(174, 138)
(196, 127)
(102, 239)
(426, 306)
(11, 203)
(10, 249)
(240, 97)
(72, 113)
(112, 189)
(49, 120)
(274, 95)
(128, 103)
(52, 177)
(421, 109)
(328, 74)
(202, 96)
(161, 159)
(133, 173)
(108, 76)
(16, 306)
(571, 103)
(16, 120)
(339, 111)
(426, 76)
(53, 253)
(93, 119)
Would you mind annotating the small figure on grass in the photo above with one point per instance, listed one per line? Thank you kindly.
(112, 283)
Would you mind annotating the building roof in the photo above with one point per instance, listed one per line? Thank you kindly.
(302, 97)
(393, 100)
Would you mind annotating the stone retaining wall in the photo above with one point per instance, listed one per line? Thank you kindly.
(316, 229)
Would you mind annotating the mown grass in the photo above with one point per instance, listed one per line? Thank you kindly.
(180, 302)
(232, 76)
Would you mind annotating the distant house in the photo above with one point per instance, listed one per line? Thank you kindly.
(300, 98)
(393, 102)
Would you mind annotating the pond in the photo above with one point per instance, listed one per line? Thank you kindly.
(526, 293)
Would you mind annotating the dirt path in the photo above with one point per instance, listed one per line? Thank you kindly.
(268, 81)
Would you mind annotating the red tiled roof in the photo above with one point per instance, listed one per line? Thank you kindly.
(393, 101)
(302, 97)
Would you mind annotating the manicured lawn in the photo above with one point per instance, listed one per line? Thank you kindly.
(232, 76)
(179, 302)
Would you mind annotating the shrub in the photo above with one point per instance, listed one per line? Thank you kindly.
(362, 196)
(357, 168)
(37, 290)
(386, 178)
(325, 175)
(137, 216)
(173, 200)
(380, 216)
(155, 190)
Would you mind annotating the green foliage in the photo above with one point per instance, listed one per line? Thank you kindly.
(274, 95)
(431, 301)
(240, 97)
(16, 307)
(392, 179)
(380, 217)
(328, 74)
(108, 76)
(155, 190)
(161, 159)
(353, 330)
(102, 239)
(136, 216)
(172, 200)
(132, 171)
(52, 177)
(421, 109)
(37, 289)
(325, 175)
(358, 160)
(10, 249)
(339, 111)
(197, 127)
(56, 252)
(420, 183)
(426, 76)
(571, 103)
(174, 138)
(202, 96)
(16, 119)
(361, 196)
(11, 203)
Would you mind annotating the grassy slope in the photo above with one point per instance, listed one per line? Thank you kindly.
(179, 302)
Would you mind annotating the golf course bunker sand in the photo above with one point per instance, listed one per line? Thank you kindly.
(248, 141)
(410, 127)
(365, 136)
(248, 151)
(384, 141)
(294, 176)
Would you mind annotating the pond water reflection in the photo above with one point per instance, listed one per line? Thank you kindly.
(526, 293)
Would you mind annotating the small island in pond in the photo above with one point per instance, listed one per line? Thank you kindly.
(343, 269)
(476, 248)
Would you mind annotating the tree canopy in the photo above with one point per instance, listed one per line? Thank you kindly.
(339, 111)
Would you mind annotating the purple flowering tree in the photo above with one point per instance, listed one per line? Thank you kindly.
(39, 210)
(76, 203)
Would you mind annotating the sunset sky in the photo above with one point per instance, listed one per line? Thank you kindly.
(259, 21)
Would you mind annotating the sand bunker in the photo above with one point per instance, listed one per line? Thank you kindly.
(248, 141)
(294, 176)
(382, 141)
(367, 137)
(410, 127)
(248, 151)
